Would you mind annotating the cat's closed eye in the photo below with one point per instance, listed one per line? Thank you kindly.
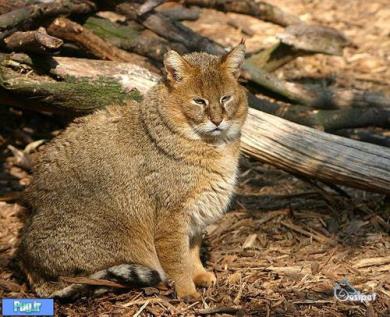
(200, 101)
(225, 99)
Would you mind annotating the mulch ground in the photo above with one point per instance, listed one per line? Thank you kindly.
(286, 241)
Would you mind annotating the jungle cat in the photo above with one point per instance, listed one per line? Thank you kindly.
(125, 193)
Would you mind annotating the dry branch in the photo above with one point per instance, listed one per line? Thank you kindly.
(259, 9)
(365, 136)
(180, 13)
(274, 57)
(221, 310)
(32, 41)
(343, 98)
(27, 16)
(148, 6)
(172, 30)
(72, 31)
(327, 120)
(273, 140)
(299, 40)
(314, 38)
(132, 37)
(7, 6)
(313, 96)
(372, 262)
(91, 281)
(244, 28)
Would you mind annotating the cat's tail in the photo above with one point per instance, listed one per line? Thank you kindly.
(133, 275)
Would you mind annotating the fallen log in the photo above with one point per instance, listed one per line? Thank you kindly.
(315, 154)
(103, 83)
(72, 31)
(132, 37)
(273, 140)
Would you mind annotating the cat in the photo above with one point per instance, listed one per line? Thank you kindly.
(126, 192)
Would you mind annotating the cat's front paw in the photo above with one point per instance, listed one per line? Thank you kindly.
(191, 298)
(205, 279)
(188, 295)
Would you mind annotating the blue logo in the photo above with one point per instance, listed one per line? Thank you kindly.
(28, 307)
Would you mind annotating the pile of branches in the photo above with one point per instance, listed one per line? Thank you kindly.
(70, 57)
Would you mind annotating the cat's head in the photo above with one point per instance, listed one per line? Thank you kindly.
(205, 100)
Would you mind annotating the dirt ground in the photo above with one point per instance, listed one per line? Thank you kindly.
(286, 241)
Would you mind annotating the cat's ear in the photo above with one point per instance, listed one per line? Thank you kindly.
(176, 66)
(233, 60)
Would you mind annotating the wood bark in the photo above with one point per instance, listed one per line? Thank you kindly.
(85, 84)
(148, 6)
(274, 57)
(72, 31)
(132, 37)
(365, 136)
(26, 17)
(180, 13)
(284, 144)
(7, 6)
(172, 30)
(299, 40)
(313, 96)
(326, 120)
(312, 153)
(37, 41)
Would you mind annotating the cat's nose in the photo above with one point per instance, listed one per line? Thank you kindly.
(216, 121)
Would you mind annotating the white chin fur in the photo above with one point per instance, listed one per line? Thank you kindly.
(216, 132)
(226, 129)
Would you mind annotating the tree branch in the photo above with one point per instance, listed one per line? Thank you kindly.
(37, 41)
(259, 9)
(71, 31)
(29, 15)
(327, 120)
(171, 30)
(132, 37)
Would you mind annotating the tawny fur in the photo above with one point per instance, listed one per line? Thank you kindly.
(139, 183)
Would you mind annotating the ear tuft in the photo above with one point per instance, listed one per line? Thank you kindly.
(176, 66)
(233, 60)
